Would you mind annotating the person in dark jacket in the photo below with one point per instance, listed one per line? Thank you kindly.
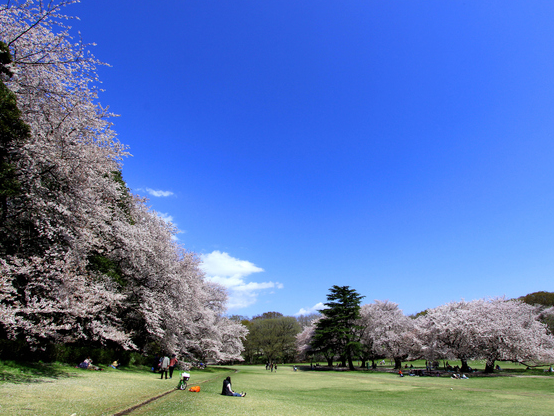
(228, 390)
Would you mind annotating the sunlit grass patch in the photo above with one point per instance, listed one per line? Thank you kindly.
(84, 392)
(68, 390)
(360, 393)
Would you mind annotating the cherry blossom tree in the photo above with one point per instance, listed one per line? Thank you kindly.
(388, 332)
(168, 301)
(495, 329)
(64, 170)
(304, 348)
(81, 258)
(368, 322)
(304, 341)
(444, 334)
(510, 331)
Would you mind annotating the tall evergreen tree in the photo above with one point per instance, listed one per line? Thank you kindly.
(13, 132)
(337, 332)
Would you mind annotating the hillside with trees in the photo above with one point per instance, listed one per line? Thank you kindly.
(83, 261)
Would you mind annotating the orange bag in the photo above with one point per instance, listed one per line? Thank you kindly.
(195, 389)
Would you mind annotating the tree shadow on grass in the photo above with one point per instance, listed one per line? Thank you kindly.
(15, 372)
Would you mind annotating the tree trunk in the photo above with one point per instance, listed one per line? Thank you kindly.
(350, 364)
(489, 367)
(397, 363)
(4, 200)
(363, 363)
(465, 367)
(329, 357)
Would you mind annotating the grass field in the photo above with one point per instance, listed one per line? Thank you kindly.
(65, 391)
(62, 390)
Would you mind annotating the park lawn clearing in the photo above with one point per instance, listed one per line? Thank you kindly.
(359, 393)
(62, 390)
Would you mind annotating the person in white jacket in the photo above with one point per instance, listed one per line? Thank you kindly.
(164, 367)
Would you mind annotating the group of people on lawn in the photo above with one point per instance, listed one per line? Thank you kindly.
(165, 365)
(87, 365)
(270, 366)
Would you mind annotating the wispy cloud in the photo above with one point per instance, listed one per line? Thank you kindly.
(317, 307)
(166, 217)
(158, 192)
(231, 272)
(169, 220)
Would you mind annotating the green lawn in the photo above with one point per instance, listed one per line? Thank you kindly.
(65, 391)
(62, 390)
(361, 393)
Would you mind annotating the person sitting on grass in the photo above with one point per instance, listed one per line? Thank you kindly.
(228, 390)
(87, 365)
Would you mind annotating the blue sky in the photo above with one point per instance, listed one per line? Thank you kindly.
(403, 148)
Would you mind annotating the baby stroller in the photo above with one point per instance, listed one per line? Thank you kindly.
(183, 382)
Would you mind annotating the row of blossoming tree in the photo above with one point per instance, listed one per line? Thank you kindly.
(82, 260)
(489, 330)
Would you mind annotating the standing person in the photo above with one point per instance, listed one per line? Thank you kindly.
(172, 364)
(275, 367)
(164, 367)
(228, 390)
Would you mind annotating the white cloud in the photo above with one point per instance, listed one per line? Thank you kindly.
(230, 272)
(317, 307)
(169, 220)
(218, 263)
(166, 217)
(158, 193)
